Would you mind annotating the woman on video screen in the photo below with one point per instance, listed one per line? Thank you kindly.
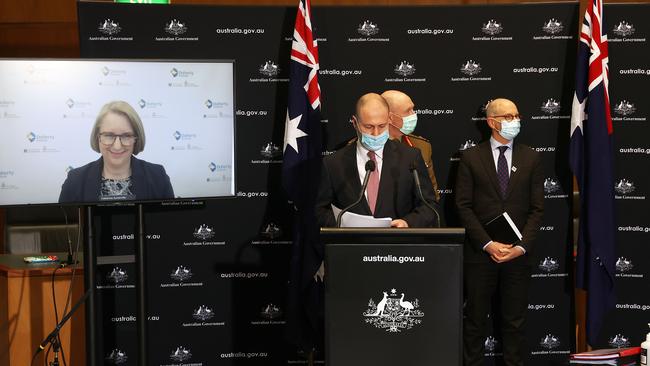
(118, 135)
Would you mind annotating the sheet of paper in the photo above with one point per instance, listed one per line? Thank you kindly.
(350, 219)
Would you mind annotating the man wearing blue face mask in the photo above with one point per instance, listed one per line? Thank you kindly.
(403, 122)
(497, 176)
(391, 190)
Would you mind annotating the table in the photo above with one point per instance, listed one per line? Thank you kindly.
(27, 311)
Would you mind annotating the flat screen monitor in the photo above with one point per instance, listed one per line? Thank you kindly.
(101, 131)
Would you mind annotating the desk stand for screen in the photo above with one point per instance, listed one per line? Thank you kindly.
(393, 296)
(90, 268)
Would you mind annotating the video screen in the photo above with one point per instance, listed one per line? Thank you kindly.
(100, 131)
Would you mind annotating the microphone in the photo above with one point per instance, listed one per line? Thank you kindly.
(416, 178)
(370, 167)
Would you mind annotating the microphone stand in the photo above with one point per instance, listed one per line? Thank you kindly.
(370, 167)
(52, 337)
(416, 178)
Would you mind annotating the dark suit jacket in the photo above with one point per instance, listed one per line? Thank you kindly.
(149, 181)
(478, 199)
(397, 197)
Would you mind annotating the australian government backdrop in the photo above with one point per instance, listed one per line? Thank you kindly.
(218, 273)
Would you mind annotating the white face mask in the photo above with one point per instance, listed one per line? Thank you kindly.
(510, 130)
(408, 123)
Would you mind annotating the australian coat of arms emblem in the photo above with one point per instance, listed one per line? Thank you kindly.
(393, 312)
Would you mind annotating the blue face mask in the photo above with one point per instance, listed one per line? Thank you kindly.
(408, 123)
(374, 143)
(510, 130)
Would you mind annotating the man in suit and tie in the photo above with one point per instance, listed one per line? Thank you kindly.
(403, 122)
(498, 176)
(391, 191)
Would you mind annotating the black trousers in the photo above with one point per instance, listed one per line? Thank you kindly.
(509, 281)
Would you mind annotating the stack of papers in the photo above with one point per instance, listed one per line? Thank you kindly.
(350, 219)
(610, 356)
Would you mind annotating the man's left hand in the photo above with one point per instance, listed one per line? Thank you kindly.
(399, 223)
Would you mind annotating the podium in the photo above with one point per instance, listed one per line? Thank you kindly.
(393, 296)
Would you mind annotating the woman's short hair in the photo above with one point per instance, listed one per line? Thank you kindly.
(124, 109)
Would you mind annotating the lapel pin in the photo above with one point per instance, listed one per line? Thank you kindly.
(514, 169)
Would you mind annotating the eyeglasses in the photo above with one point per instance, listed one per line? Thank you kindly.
(108, 139)
(508, 117)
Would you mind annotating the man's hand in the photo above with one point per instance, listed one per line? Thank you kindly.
(399, 223)
(514, 252)
(502, 253)
(320, 274)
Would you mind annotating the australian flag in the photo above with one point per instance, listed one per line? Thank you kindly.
(591, 158)
(300, 178)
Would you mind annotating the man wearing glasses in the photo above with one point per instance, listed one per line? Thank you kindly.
(391, 189)
(117, 135)
(494, 177)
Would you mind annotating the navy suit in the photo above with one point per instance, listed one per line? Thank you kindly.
(478, 200)
(148, 182)
(397, 197)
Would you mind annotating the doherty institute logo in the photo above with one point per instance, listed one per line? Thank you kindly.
(109, 27)
(393, 313)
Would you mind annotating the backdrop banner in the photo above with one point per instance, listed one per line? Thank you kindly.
(218, 272)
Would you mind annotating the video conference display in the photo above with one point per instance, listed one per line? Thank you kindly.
(98, 131)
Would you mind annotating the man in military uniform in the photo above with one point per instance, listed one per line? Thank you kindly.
(403, 121)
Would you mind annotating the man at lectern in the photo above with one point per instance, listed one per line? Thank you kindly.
(117, 135)
(497, 176)
(390, 167)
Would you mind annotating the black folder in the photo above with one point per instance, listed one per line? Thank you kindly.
(503, 229)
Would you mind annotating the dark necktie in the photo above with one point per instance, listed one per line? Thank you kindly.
(502, 170)
(373, 184)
